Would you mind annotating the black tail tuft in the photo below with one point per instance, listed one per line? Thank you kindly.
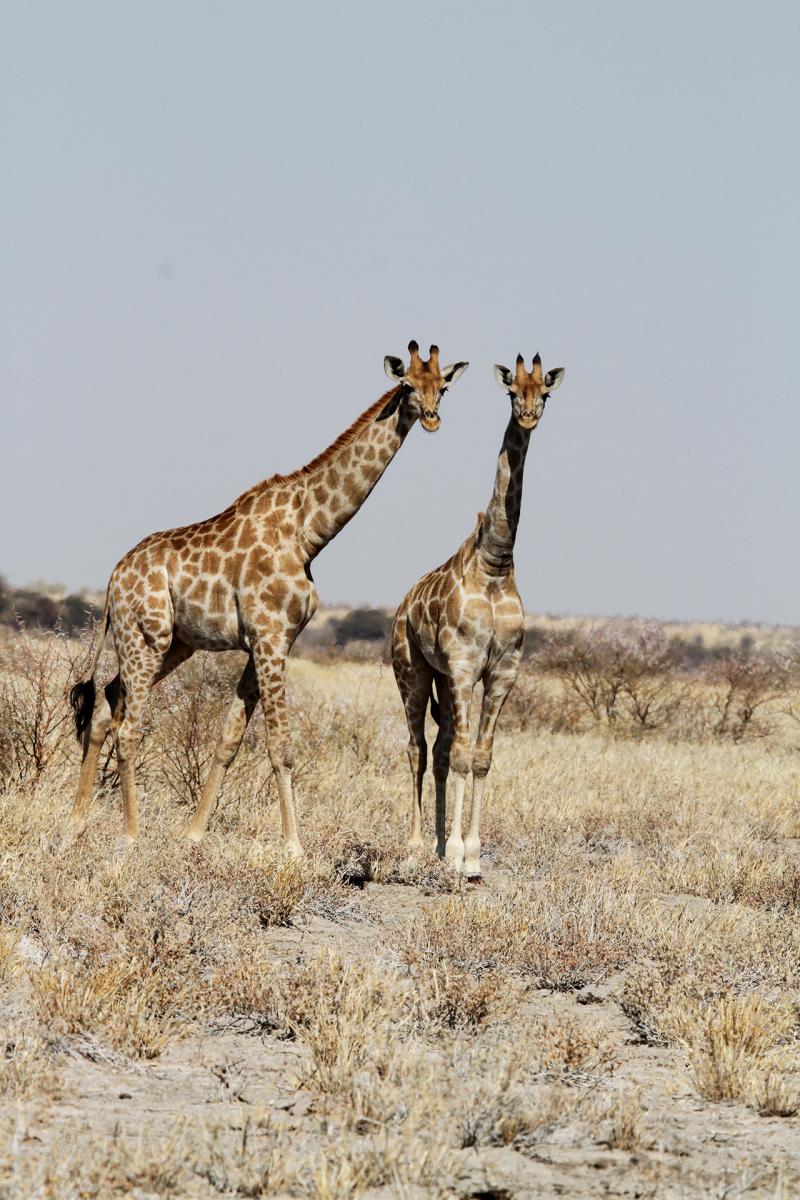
(82, 698)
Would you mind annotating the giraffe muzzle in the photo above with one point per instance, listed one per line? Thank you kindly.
(430, 420)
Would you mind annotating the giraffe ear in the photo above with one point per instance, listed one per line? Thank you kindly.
(503, 376)
(394, 368)
(552, 379)
(453, 372)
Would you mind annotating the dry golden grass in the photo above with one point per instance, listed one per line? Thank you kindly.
(731, 1042)
(364, 1023)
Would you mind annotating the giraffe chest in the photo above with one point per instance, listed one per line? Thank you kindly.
(467, 628)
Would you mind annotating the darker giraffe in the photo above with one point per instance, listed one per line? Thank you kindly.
(241, 581)
(462, 623)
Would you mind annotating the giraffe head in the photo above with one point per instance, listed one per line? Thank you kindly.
(528, 390)
(424, 383)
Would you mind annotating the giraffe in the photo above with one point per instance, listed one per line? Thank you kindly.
(462, 623)
(240, 581)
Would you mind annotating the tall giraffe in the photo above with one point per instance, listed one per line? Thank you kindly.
(241, 581)
(462, 623)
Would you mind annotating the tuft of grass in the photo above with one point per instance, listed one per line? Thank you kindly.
(771, 1095)
(456, 999)
(27, 1065)
(354, 1022)
(728, 1043)
(122, 1005)
(504, 1111)
(619, 1120)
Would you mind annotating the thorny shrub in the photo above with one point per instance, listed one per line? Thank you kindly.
(744, 685)
(35, 720)
(628, 677)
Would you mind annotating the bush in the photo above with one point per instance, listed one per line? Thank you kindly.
(35, 719)
(37, 610)
(6, 611)
(76, 612)
(361, 625)
(745, 683)
(629, 677)
(34, 609)
(619, 674)
(184, 721)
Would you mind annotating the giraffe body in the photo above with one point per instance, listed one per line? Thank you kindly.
(462, 624)
(240, 581)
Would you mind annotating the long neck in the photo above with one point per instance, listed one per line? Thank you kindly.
(339, 480)
(496, 548)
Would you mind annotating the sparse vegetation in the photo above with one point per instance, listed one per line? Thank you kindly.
(362, 1021)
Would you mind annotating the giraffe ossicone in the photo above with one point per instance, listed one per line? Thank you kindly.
(463, 623)
(240, 581)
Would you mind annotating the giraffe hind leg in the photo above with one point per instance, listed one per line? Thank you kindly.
(495, 693)
(140, 671)
(270, 667)
(107, 711)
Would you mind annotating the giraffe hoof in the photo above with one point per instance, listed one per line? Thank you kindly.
(68, 837)
(294, 850)
(473, 877)
(454, 857)
(193, 836)
(122, 848)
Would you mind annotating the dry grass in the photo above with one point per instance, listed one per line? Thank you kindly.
(730, 1044)
(382, 1028)
(620, 1120)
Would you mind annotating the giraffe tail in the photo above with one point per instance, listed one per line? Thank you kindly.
(82, 696)
(435, 710)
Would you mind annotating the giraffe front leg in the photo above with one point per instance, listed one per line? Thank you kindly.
(128, 738)
(454, 846)
(460, 763)
(141, 667)
(494, 697)
(441, 761)
(270, 664)
(472, 842)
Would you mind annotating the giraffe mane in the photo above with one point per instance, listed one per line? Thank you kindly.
(344, 439)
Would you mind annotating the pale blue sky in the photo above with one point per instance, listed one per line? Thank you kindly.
(218, 218)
